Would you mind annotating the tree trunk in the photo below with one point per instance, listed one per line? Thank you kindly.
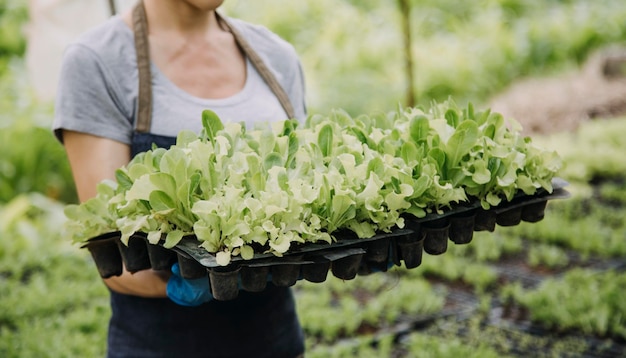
(405, 13)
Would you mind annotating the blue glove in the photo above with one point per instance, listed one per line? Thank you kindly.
(186, 292)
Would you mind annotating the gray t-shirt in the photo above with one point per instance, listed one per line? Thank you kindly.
(98, 87)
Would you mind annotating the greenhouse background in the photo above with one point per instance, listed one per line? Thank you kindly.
(552, 288)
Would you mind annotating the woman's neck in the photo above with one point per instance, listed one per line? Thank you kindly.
(191, 49)
(181, 17)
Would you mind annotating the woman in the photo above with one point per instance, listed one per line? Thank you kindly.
(139, 79)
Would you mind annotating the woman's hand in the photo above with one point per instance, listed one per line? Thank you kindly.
(188, 292)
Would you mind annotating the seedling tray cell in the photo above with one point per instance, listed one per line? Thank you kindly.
(106, 255)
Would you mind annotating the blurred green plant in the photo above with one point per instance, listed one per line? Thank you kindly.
(584, 300)
(489, 246)
(353, 51)
(52, 301)
(32, 159)
(13, 17)
(475, 338)
(33, 162)
(337, 309)
(581, 224)
(362, 347)
(594, 152)
(548, 256)
(420, 345)
(454, 268)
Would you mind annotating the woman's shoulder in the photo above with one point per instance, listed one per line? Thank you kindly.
(110, 42)
(98, 69)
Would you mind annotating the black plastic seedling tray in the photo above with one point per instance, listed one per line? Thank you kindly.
(346, 258)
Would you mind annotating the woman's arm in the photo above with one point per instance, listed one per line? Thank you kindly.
(94, 159)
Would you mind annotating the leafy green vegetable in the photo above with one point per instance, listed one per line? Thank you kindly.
(211, 123)
(237, 189)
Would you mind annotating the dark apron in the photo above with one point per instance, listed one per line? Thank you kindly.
(261, 324)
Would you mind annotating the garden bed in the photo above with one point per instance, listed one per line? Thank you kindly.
(505, 328)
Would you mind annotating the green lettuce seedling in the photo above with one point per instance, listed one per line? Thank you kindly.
(244, 191)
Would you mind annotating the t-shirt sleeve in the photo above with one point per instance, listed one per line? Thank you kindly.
(88, 99)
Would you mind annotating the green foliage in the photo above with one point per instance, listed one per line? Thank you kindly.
(473, 50)
(593, 152)
(337, 309)
(350, 51)
(547, 256)
(32, 159)
(25, 224)
(420, 345)
(353, 50)
(582, 224)
(454, 268)
(612, 193)
(584, 300)
(489, 246)
(365, 346)
(13, 17)
(52, 302)
(454, 334)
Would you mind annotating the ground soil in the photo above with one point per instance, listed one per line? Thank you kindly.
(597, 90)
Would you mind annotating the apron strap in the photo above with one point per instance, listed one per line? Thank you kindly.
(260, 66)
(142, 48)
(144, 111)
